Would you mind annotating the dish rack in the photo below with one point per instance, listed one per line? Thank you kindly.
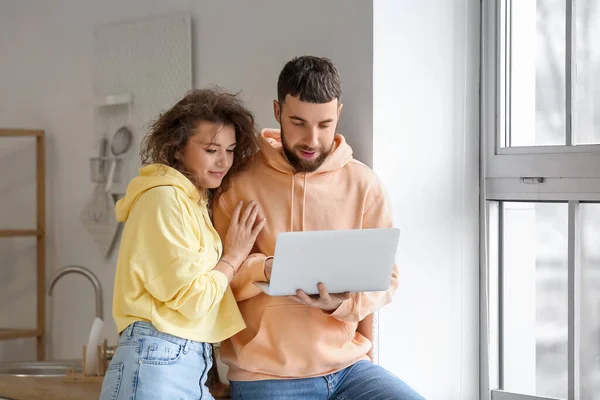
(102, 359)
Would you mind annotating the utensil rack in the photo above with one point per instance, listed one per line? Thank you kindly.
(40, 234)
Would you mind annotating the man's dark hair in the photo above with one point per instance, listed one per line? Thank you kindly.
(313, 79)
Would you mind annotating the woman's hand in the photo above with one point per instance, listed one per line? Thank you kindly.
(243, 229)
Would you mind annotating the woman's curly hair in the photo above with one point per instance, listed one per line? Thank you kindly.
(169, 134)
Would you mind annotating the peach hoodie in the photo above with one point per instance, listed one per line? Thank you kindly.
(285, 339)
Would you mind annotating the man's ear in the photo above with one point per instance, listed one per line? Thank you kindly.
(339, 111)
(277, 111)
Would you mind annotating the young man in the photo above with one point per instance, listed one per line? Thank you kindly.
(304, 178)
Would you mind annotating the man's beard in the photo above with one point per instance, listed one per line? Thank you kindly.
(300, 164)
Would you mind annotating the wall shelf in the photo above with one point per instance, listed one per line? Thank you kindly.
(6, 334)
(19, 232)
(114, 100)
(21, 132)
(40, 234)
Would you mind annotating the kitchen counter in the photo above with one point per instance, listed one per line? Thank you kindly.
(32, 388)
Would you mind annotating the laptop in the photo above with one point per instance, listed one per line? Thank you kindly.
(356, 260)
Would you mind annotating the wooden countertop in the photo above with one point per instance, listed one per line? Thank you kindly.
(31, 388)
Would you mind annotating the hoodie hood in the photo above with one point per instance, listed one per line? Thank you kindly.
(152, 176)
(272, 149)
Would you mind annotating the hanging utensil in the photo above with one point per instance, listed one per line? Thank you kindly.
(100, 203)
(120, 143)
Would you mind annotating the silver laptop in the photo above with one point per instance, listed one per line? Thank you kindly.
(357, 260)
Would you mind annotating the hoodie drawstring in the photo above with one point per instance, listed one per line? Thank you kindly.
(292, 212)
(303, 203)
(304, 200)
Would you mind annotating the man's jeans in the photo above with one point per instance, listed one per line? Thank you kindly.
(361, 381)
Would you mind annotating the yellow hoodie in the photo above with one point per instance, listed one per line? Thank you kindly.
(285, 339)
(168, 251)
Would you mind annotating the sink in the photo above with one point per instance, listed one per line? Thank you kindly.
(40, 369)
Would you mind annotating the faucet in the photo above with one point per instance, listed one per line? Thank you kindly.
(75, 269)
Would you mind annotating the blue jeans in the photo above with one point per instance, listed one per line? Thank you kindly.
(149, 364)
(361, 381)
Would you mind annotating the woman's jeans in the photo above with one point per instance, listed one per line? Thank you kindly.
(149, 364)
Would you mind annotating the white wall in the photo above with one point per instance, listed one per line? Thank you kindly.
(425, 145)
(46, 82)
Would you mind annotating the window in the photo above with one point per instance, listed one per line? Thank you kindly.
(535, 298)
(540, 109)
(552, 90)
(533, 320)
(590, 300)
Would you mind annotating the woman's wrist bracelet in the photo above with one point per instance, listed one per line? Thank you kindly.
(230, 264)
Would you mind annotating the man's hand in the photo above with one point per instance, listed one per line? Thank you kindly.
(324, 300)
(268, 269)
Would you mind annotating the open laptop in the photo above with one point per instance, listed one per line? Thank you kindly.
(357, 260)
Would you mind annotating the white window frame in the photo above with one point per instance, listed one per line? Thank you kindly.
(569, 172)
(540, 173)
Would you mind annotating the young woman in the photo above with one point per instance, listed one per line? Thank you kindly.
(172, 297)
